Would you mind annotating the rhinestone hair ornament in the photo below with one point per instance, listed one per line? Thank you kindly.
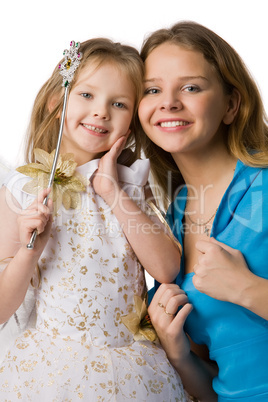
(67, 68)
(71, 61)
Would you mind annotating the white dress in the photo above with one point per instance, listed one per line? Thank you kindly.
(24, 317)
(80, 350)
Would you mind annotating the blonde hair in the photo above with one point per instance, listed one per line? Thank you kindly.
(44, 123)
(247, 136)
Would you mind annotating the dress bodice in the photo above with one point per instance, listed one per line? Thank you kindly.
(88, 268)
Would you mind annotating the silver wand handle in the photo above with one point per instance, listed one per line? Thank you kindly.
(67, 68)
(55, 160)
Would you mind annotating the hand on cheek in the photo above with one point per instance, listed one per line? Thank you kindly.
(105, 179)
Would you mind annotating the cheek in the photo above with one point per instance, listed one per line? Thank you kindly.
(125, 122)
(212, 110)
(143, 112)
(71, 111)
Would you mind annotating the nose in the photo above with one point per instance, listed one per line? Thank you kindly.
(101, 112)
(171, 102)
(102, 116)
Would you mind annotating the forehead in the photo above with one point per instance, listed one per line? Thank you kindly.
(106, 76)
(94, 69)
(169, 57)
(95, 64)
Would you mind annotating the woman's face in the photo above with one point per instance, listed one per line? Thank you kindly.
(184, 108)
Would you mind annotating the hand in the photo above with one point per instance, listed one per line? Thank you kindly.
(168, 324)
(221, 271)
(105, 180)
(36, 216)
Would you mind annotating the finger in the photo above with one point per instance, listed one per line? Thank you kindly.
(202, 245)
(108, 161)
(222, 245)
(156, 300)
(167, 300)
(43, 194)
(34, 223)
(42, 209)
(39, 199)
(164, 293)
(49, 224)
(173, 304)
(180, 318)
(50, 207)
(206, 245)
(118, 147)
(39, 211)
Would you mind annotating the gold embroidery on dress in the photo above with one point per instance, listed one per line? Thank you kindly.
(80, 346)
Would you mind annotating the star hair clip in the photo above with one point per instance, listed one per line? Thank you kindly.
(67, 68)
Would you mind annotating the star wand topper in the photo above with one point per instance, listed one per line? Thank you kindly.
(67, 68)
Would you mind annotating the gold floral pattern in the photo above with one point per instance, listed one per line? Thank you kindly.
(80, 348)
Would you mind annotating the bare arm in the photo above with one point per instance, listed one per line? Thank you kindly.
(196, 373)
(15, 232)
(154, 248)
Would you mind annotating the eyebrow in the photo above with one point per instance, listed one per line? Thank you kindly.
(184, 78)
(86, 87)
(123, 96)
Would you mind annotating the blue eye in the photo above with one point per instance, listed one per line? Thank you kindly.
(151, 91)
(86, 95)
(119, 105)
(191, 88)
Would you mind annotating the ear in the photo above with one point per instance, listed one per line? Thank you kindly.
(52, 104)
(233, 107)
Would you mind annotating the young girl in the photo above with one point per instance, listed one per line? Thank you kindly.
(91, 255)
(205, 122)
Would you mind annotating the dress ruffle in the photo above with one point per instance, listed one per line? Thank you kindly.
(57, 370)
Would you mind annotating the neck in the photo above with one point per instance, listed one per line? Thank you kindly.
(207, 175)
(203, 171)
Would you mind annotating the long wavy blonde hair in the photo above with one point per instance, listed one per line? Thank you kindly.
(247, 136)
(44, 122)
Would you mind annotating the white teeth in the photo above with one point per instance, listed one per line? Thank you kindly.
(173, 123)
(93, 128)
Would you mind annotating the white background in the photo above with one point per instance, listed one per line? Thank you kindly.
(34, 34)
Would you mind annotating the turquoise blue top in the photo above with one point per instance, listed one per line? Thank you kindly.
(237, 339)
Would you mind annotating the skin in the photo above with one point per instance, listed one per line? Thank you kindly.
(98, 117)
(189, 94)
(186, 112)
(99, 112)
(141, 232)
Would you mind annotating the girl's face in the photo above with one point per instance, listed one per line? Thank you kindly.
(99, 111)
(184, 105)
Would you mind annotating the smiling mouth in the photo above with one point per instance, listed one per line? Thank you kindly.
(95, 129)
(173, 123)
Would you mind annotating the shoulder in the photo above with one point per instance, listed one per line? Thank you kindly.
(14, 182)
(246, 180)
(249, 173)
(137, 173)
